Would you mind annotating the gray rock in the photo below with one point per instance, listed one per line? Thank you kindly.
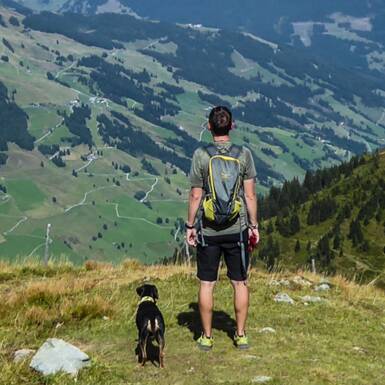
(261, 379)
(22, 354)
(267, 330)
(281, 282)
(322, 287)
(301, 281)
(283, 298)
(309, 298)
(57, 355)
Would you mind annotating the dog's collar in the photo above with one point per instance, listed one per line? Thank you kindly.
(147, 299)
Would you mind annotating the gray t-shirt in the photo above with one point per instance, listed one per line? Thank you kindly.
(199, 176)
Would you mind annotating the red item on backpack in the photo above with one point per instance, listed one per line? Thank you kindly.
(252, 242)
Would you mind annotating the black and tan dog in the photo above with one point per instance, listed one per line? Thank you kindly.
(150, 322)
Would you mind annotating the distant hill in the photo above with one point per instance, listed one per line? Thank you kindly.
(114, 106)
(336, 217)
(347, 33)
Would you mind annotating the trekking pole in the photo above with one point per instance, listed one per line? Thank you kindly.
(313, 269)
(46, 253)
(188, 254)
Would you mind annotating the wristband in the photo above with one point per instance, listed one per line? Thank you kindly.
(254, 227)
(187, 226)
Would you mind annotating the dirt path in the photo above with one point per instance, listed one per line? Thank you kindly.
(83, 201)
(50, 131)
(91, 160)
(22, 220)
(65, 69)
(204, 128)
(150, 191)
(138, 218)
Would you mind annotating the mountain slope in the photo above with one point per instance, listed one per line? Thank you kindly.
(329, 342)
(117, 107)
(336, 217)
(348, 33)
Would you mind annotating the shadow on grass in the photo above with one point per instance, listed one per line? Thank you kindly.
(191, 319)
(152, 353)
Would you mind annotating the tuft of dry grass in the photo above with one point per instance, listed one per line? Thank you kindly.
(92, 265)
(131, 265)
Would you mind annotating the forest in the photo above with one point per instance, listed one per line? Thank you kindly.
(13, 124)
(121, 133)
(77, 125)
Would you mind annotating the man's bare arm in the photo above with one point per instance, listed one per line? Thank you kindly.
(251, 200)
(194, 202)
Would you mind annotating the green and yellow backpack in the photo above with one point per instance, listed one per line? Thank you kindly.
(222, 202)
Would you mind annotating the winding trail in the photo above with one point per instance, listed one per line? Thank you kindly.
(382, 117)
(50, 131)
(54, 155)
(37, 248)
(22, 220)
(204, 128)
(150, 191)
(93, 158)
(65, 69)
(176, 233)
(137, 218)
(83, 201)
(5, 199)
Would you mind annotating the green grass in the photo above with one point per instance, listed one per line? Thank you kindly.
(334, 342)
(26, 194)
(33, 196)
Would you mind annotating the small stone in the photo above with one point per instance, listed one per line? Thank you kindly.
(283, 298)
(22, 354)
(105, 318)
(281, 282)
(261, 379)
(267, 330)
(359, 349)
(56, 355)
(301, 281)
(309, 298)
(322, 287)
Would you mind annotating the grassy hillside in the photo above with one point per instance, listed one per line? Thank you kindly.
(116, 113)
(330, 342)
(340, 224)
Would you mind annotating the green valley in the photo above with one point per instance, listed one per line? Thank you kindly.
(109, 110)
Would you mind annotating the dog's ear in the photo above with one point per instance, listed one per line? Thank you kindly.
(140, 290)
(156, 294)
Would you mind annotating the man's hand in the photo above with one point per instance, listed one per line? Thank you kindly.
(191, 237)
(253, 239)
(254, 233)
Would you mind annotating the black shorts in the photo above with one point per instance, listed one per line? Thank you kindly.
(209, 256)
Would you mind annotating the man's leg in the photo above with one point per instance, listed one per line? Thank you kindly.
(238, 276)
(206, 304)
(208, 259)
(241, 305)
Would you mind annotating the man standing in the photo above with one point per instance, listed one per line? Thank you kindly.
(222, 215)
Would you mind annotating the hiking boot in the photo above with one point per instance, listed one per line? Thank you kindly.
(205, 343)
(241, 342)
